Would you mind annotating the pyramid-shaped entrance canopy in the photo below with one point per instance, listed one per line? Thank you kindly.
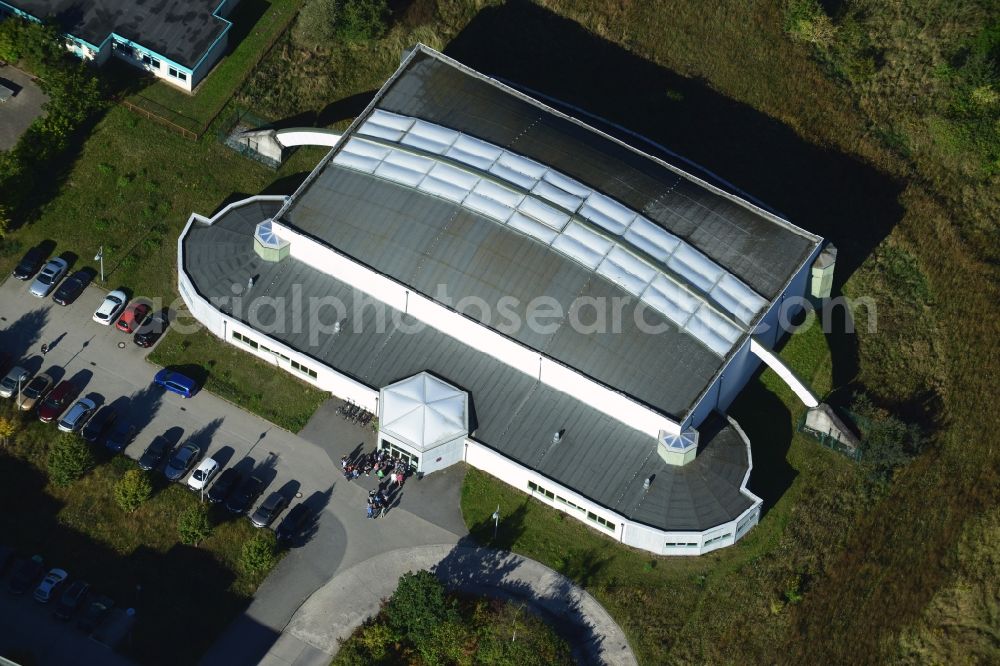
(424, 411)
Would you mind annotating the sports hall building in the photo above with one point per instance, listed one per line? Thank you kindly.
(446, 266)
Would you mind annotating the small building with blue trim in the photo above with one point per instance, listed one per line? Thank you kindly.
(176, 40)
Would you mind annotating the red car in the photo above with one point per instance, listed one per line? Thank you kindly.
(133, 316)
(57, 401)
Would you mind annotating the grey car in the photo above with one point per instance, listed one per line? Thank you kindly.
(49, 277)
(14, 381)
(181, 460)
(77, 415)
(269, 509)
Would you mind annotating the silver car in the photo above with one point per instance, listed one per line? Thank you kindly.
(181, 460)
(77, 415)
(14, 381)
(49, 277)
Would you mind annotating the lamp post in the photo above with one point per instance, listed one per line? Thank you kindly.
(496, 522)
(100, 257)
(20, 398)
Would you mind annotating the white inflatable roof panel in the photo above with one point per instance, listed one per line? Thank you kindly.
(455, 176)
(390, 120)
(504, 195)
(544, 213)
(443, 189)
(356, 162)
(488, 207)
(532, 227)
(578, 251)
(399, 174)
(557, 196)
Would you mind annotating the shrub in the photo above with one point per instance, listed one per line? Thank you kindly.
(194, 525)
(132, 490)
(418, 606)
(313, 28)
(259, 554)
(321, 22)
(887, 442)
(69, 460)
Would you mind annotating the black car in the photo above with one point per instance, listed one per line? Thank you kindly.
(224, 485)
(30, 263)
(151, 329)
(269, 509)
(72, 599)
(293, 523)
(26, 574)
(120, 437)
(99, 423)
(96, 610)
(154, 453)
(72, 287)
(244, 497)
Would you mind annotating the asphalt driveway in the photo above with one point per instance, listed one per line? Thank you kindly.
(109, 367)
(18, 112)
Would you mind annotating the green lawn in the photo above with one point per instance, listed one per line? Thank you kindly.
(243, 379)
(676, 608)
(255, 24)
(137, 558)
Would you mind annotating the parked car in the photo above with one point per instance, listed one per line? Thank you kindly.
(72, 287)
(269, 509)
(50, 585)
(14, 381)
(72, 599)
(99, 423)
(29, 264)
(49, 277)
(224, 485)
(175, 382)
(77, 415)
(56, 402)
(26, 574)
(203, 474)
(96, 610)
(133, 316)
(181, 460)
(6, 557)
(35, 392)
(150, 330)
(244, 497)
(154, 453)
(121, 437)
(293, 523)
(111, 307)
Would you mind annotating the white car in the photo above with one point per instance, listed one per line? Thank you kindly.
(47, 589)
(49, 277)
(15, 380)
(203, 474)
(112, 306)
(77, 415)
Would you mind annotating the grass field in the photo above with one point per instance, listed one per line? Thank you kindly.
(81, 529)
(242, 379)
(255, 24)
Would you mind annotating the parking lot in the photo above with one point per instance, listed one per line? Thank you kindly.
(109, 368)
(20, 110)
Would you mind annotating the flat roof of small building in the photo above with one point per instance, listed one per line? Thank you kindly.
(511, 412)
(181, 30)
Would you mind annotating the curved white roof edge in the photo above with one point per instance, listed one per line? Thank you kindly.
(307, 136)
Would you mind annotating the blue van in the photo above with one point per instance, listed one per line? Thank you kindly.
(176, 383)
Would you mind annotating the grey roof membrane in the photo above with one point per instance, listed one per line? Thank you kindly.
(430, 244)
(759, 250)
(425, 242)
(514, 414)
(181, 30)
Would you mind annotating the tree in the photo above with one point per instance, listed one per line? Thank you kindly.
(259, 553)
(194, 525)
(418, 605)
(321, 22)
(132, 490)
(887, 442)
(69, 460)
(7, 424)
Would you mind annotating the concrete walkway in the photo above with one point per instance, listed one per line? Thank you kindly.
(334, 611)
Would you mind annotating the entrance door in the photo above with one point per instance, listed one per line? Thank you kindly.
(409, 458)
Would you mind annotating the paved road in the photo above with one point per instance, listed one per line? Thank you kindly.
(354, 594)
(17, 113)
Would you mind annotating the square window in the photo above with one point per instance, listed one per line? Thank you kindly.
(182, 76)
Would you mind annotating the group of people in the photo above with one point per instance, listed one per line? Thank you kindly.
(378, 503)
(380, 462)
